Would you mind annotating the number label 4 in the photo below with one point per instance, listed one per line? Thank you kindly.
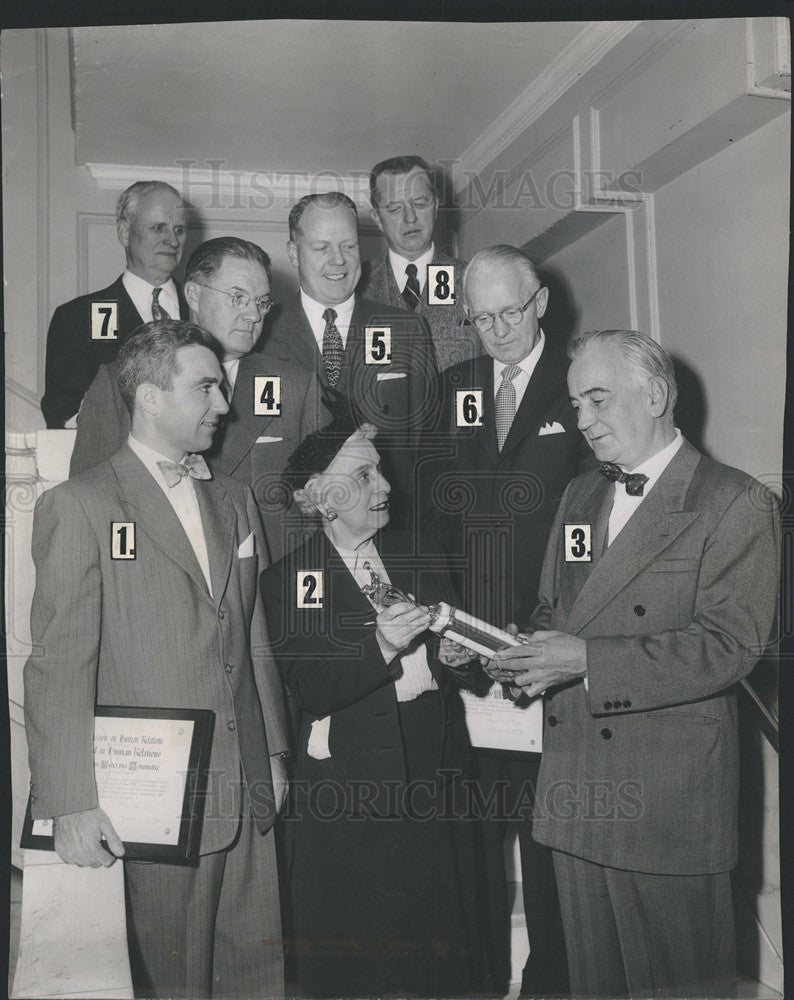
(267, 396)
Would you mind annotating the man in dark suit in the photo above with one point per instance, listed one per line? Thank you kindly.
(405, 209)
(658, 594)
(389, 377)
(180, 626)
(507, 472)
(227, 287)
(151, 222)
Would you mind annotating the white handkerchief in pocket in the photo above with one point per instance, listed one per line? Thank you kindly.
(247, 548)
(266, 439)
(554, 428)
(318, 739)
(385, 376)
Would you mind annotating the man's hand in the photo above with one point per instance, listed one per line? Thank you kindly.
(398, 626)
(543, 660)
(452, 654)
(278, 771)
(77, 839)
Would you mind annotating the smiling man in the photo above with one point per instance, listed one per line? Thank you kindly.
(151, 224)
(182, 627)
(405, 209)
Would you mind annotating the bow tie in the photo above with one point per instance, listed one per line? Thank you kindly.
(191, 465)
(635, 483)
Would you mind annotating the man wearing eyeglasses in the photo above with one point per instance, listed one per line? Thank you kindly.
(227, 288)
(516, 446)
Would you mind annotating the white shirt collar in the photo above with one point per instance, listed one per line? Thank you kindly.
(314, 313)
(140, 291)
(527, 366)
(399, 264)
(150, 457)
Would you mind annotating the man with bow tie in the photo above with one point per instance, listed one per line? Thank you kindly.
(180, 626)
(658, 595)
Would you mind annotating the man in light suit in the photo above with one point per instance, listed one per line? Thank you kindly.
(180, 626)
(658, 595)
(227, 287)
(151, 223)
(513, 465)
(405, 209)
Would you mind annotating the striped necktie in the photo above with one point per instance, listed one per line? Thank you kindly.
(158, 312)
(333, 349)
(412, 293)
(505, 404)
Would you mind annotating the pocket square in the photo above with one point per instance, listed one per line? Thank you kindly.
(318, 739)
(555, 428)
(384, 376)
(266, 439)
(247, 547)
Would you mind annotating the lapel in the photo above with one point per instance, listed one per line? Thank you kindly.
(219, 520)
(184, 309)
(350, 607)
(391, 290)
(543, 390)
(481, 443)
(153, 514)
(241, 425)
(293, 339)
(129, 317)
(655, 524)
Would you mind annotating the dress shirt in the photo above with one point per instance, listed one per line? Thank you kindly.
(140, 291)
(314, 313)
(624, 505)
(182, 498)
(416, 677)
(230, 369)
(527, 367)
(399, 264)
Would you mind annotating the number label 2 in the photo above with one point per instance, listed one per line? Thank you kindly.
(441, 285)
(468, 407)
(377, 345)
(310, 588)
(267, 396)
(122, 540)
(104, 320)
(577, 543)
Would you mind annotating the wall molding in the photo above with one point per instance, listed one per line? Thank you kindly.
(42, 196)
(782, 59)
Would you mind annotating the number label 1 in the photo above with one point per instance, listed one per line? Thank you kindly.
(267, 396)
(122, 540)
(468, 407)
(104, 320)
(577, 543)
(310, 588)
(441, 284)
(377, 345)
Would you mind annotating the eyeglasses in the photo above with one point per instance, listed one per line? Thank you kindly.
(512, 315)
(242, 300)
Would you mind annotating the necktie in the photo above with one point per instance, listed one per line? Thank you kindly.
(635, 483)
(412, 293)
(191, 465)
(505, 404)
(333, 350)
(158, 311)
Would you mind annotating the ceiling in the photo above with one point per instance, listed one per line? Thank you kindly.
(290, 95)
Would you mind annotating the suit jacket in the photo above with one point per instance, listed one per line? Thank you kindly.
(73, 358)
(493, 510)
(253, 449)
(641, 771)
(146, 632)
(454, 337)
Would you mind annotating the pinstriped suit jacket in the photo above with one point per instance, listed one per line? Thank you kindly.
(146, 632)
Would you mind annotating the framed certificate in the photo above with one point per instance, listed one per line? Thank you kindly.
(151, 774)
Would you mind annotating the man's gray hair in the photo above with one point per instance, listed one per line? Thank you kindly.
(642, 353)
(499, 255)
(127, 204)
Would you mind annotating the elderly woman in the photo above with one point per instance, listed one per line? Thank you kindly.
(384, 877)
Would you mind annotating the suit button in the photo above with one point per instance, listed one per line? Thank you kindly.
(229, 668)
(617, 704)
(231, 725)
(627, 704)
(221, 615)
(639, 610)
(552, 720)
(606, 734)
(607, 705)
(555, 602)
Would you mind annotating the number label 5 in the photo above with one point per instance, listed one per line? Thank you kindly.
(122, 540)
(310, 588)
(468, 407)
(267, 396)
(377, 345)
(104, 320)
(441, 285)
(577, 543)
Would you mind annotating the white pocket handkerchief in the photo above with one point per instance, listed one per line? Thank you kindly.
(384, 376)
(555, 428)
(266, 439)
(318, 739)
(247, 548)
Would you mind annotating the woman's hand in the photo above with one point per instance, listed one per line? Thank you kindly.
(398, 626)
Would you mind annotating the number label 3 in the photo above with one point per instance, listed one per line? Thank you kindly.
(122, 540)
(468, 407)
(104, 320)
(267, 396)
(577, 543)
(377, 345)
(441, 285)
(310, 588)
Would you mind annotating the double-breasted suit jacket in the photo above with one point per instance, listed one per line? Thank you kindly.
(675, 612)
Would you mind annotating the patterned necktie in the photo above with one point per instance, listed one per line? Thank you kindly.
(505, 404)
(635, 483)
(191, 465)
(158, 311)
(412, 293)
(333, 349)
